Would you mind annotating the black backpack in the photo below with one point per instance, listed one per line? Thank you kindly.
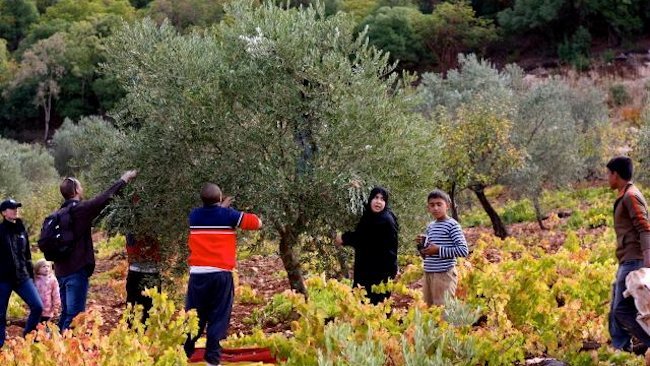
(57, 238)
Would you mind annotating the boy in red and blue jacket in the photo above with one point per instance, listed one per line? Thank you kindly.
(213, 254)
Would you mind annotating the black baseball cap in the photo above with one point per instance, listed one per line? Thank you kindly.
(9, 204)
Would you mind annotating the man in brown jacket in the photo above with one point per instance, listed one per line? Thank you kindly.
(632, 229)
(73, 272)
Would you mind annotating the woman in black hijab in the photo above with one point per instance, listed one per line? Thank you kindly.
(375, 244)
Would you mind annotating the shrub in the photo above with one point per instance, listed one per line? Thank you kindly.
(129, 343)
(575, 51)
(77, 147)
(619, 95)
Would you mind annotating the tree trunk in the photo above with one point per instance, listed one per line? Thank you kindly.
(48, 109)
(345, 269)
(288, 240)
(538, 213)
(454, 208)
(500, 229)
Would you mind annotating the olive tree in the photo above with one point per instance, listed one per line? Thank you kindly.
(557, 125)
(487, 99)
(77, 147)
(286, 109)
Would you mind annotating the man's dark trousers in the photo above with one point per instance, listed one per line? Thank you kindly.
(211, 294)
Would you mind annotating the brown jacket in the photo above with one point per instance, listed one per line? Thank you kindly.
(631, 224)
(83, 214)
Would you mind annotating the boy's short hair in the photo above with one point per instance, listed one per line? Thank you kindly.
(622, 165)
(210, 194)
(68, 187)
(438, 193)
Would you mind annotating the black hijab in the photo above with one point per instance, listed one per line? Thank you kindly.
(369, 217)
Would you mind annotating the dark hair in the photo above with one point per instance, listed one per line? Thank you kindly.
(374, 192)
(438, 193)
(210, 194)
(68, 187)
(622, 165)
(369, 215)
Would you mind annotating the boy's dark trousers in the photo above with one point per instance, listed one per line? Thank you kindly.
(136, 282)
(211, 294)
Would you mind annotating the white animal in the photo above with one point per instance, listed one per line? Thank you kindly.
(638, 286)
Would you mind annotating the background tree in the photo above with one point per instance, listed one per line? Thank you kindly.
(551, 136)
(184, 14)
(452, 28)
(78, 147)
(397, 30)
(322, 119)
(15, 18)
(474, 81)
(478, 151)
(43, 64)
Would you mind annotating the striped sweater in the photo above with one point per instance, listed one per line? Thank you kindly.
(448, 235)
(631, 224)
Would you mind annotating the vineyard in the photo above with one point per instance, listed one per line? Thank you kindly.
(536, 294)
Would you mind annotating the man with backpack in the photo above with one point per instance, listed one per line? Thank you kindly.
(74, 270)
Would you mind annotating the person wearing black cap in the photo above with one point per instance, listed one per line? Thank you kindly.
(16, 271)
(375, 245)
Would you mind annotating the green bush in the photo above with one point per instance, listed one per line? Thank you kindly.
(619, 95)
(518, 211)
(575, 51)
(76, 147)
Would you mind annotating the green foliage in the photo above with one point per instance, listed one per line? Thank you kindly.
(278, 310)
(110, 246)
(359, 9)
(575, 51)
(158, 342)
(619, 95)
(322, 113)
(78, 147)
(16, 16)
(184, 14)
(396, 30)
(551, 127)
(452, 28)
(530, 14)
(42, 66)
(641, 152)
(25, 168)
(558, 18)
(478, 149)
(340, 351)
(474, 80)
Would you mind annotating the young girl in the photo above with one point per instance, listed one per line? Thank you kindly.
(48, 288)
(375, 245)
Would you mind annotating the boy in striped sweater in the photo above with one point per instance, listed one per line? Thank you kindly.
(442, 243)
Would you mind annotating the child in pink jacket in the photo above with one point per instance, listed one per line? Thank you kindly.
(48, 288)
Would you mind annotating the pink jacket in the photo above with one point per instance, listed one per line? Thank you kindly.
(48, 289)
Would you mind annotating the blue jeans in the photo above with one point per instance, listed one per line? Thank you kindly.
(623, 312)
(211, 294)
(27, 291)
(74, 291)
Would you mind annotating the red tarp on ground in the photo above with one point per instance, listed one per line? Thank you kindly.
(238, 355)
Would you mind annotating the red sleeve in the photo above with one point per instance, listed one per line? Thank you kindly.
(250, 222)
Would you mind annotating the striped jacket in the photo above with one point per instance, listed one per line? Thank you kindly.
(448, 235)
(631, 224)
(212, 240)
